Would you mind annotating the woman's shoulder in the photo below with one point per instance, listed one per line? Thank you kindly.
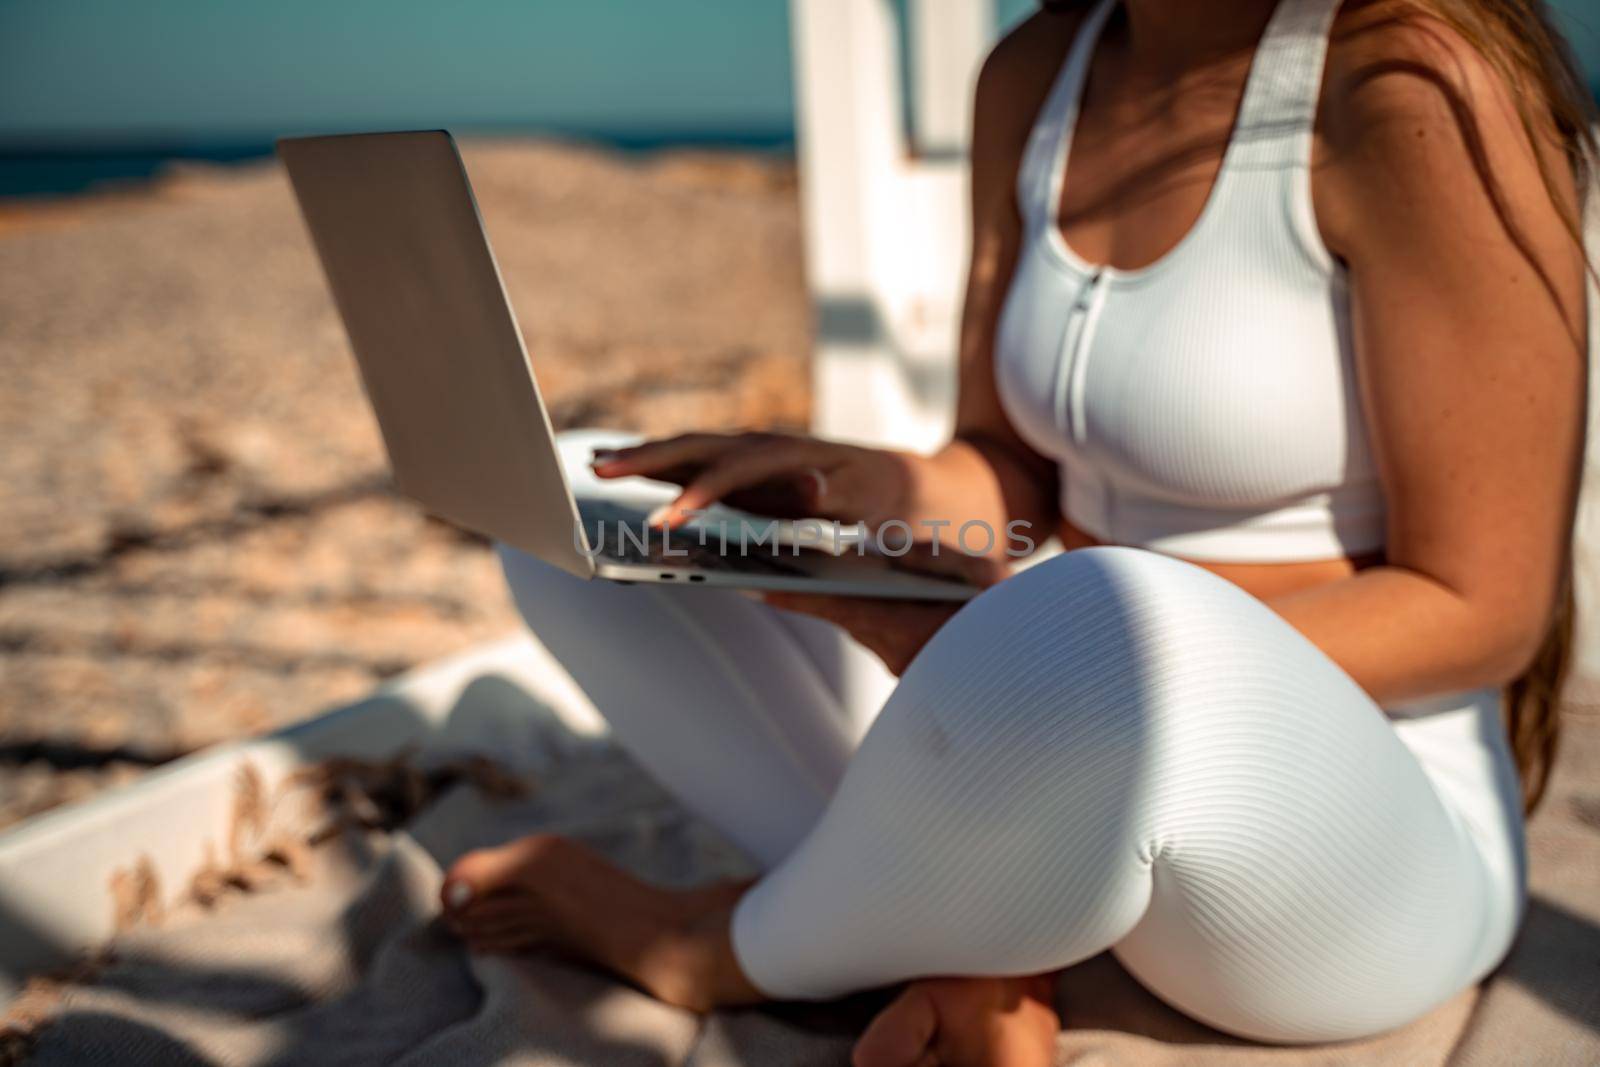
(1023, 64)
(1413, 110)
(1017, 75)
(1396, 56)
(1394, 63)
(1033, 48)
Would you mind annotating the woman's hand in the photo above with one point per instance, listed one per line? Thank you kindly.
(893, 630)
(787, 476)
(896, 630)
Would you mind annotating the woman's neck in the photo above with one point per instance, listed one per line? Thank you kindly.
(1175, 36)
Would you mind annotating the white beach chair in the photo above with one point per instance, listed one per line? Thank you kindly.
(885, 208)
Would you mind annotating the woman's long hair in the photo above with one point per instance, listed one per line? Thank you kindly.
(1519, 39)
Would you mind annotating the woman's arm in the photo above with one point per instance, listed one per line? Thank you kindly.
(1466, 292)
(987, 472)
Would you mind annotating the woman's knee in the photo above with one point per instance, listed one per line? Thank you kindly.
(1101, 654)
(557, 605)
(1081, 628)
(531, 581)
(1131, 587)
(539, 589)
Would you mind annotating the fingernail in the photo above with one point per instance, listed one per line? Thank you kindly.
(659, 516)
(820, 481)
(456, 894)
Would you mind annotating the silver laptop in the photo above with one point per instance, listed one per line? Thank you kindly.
(398, 232)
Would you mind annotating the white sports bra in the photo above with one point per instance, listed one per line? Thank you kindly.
(1205, 405)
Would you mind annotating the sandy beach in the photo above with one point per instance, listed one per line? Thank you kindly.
(199, 539)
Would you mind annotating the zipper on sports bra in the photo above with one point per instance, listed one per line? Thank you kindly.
(1075, 341)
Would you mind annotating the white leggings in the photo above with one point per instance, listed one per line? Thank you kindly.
(1112, 749)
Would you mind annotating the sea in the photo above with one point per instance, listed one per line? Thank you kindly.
(95, 91)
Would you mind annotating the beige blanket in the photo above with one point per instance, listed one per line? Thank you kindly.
(349, 965)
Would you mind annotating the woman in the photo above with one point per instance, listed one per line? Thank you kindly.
(1275, 313)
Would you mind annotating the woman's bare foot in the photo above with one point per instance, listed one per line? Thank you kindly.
(546, 890)
(550, 891)
(965, 1022)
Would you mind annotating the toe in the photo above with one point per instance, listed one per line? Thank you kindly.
(901, 1035)
(498, 944)
(485, 871)
(503, 915)
(500, 910)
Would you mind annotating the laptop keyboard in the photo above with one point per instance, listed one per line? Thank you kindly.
(619, 535)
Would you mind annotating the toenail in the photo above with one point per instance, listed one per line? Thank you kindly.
(456, 894)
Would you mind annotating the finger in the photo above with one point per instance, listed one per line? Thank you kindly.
(743, 471)
(901, 1035)
(858, 613)
(681, 474)
(861, 617)
(825, 607)
(653, 457)
(798, 494)
(950, 561)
